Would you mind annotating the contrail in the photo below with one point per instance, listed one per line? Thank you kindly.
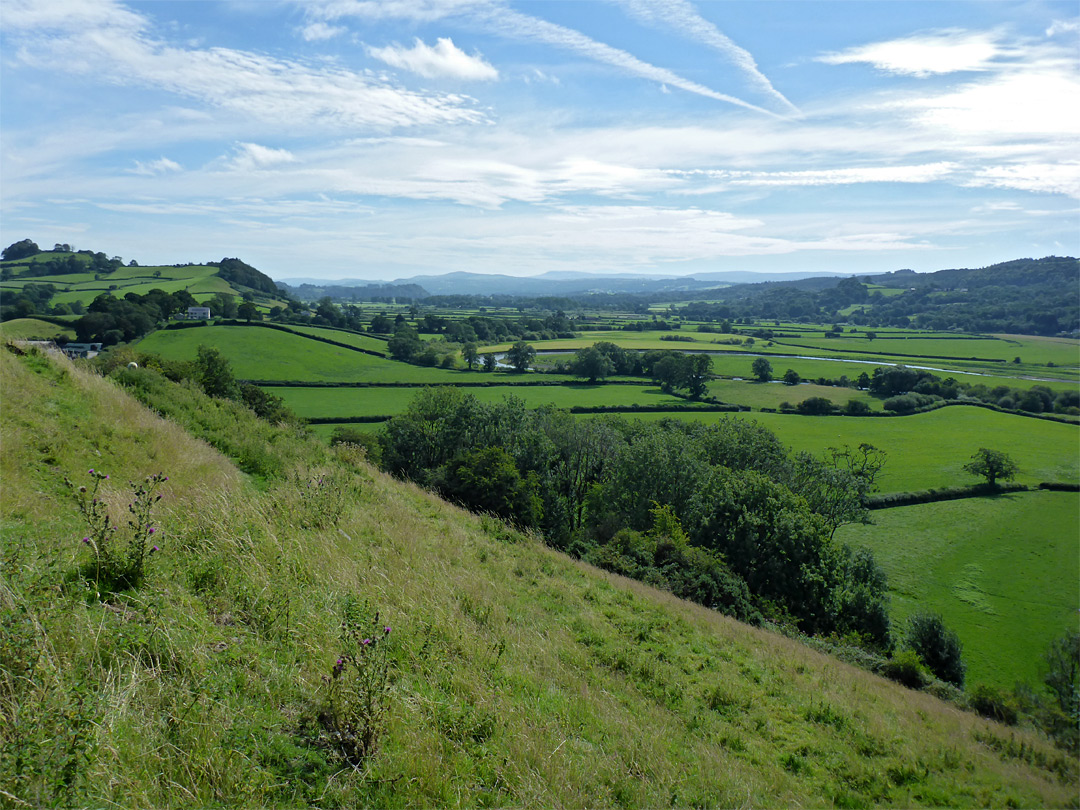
(513, 23)
(682, 16)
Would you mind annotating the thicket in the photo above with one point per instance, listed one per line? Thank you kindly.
(720, 513)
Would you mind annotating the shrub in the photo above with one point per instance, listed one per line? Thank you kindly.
(907, 668)
(937, 646)
(993, 703)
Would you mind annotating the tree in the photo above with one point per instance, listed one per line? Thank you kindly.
(992, 465)
(20, 250)
(762, 369)
(490, 363)
(470, 355)
(937, 646)
(791, 377)
(696, 374)
(1063, 673)
(521, 354)
(214, 374)
(249, 312)
(591, 363)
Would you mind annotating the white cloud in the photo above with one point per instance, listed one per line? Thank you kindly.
(444, 59)
(1063, 27)
(111, 44)
(504, 21)
(318, 31)
(926, 54)
(1055, 178)
(253, 157)
(923, 173)
(156, 167)
(683, 17)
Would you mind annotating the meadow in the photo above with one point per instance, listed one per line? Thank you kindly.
(269, 354)
(33, 329)
(928, 450)
(1001, 571)
(518, 677)
(1030, 350)
(328, 403)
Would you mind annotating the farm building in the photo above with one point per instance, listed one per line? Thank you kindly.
(198, 313)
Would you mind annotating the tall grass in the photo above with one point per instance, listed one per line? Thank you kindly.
(516, 676)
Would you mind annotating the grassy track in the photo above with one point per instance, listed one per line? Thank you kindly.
(1001, 571)
(928, 450)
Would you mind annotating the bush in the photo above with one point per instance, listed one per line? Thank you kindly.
(937, 646)
(993, 703)
(907, 668)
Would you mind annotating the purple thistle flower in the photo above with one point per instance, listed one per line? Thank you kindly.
(86, 540)
(151, 530)
(106, 478)
(152, 550)
(366, 641)
(387, 629)
(91, 471)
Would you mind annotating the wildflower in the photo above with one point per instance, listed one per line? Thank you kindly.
(366, 641)
(86, 540)
(387, 629)
(91, 471)
(151, 530)
(82, 489)
(152, 550)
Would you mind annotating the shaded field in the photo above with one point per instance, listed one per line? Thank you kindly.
(928, 450)
(316, 403)
(1001, 571)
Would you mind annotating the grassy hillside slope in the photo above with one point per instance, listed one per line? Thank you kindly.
(517, 676)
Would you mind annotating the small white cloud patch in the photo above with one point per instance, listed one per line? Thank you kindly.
(253, 157)
(927, 55)
(318, 31)
(156, 167)
(442, 60)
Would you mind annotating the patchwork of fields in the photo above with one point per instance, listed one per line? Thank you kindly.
(1003, 572)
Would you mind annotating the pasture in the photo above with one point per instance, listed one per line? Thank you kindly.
(928, 450)
(329, 403)
(33, 329)
(772, 394)
(1001, 571)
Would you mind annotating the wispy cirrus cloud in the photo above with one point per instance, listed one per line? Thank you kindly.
(152, 168)
(922, 173)
(105, 39)
(681, 16)
(320, 31)
(925, 54)
(498, 18)
(441, 60)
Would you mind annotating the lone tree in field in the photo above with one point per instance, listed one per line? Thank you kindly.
(590, 362)
(762, 369)
(992, 465)
(520, 355)
(470, 355)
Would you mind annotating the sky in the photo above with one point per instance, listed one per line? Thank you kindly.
(380, 139)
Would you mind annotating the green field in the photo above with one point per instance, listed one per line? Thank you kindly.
(1040, 352)
(268, 354)
(1003, 572)
(771, 395)
(928, 450)
(315, 403)
(33, 329)
(342, 336)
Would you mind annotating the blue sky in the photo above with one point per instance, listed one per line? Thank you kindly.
(377, 139)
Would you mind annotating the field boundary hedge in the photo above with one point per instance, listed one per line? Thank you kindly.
(281, 328)
(934, 495)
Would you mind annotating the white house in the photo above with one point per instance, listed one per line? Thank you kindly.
(198, 313)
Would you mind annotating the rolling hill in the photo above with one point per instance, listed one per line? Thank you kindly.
(290, 616)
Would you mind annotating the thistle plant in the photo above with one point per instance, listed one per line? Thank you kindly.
(354, 714)
(117, 565)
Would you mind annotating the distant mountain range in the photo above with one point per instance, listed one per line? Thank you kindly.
(551, 283)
